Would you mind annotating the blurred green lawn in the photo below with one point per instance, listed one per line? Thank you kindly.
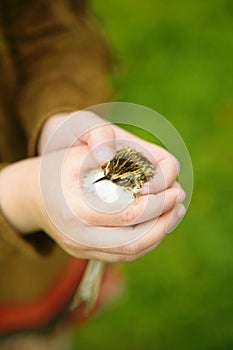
(176, 57)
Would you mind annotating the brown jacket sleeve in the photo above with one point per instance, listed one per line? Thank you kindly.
(62, 60)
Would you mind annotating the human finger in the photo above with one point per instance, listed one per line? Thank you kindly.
(97, 133)
(166, 165)
(155, 231)
(165, 175)
(147, 208)
(125, 137)
(176, 184)
(151, 234)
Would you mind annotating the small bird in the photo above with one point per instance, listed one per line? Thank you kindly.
(129, 169)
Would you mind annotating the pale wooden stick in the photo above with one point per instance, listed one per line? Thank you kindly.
(89, 286)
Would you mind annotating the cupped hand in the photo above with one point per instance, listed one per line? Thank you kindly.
(80, 128)
(79, 228)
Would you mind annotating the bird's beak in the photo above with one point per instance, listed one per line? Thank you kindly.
(101, 179)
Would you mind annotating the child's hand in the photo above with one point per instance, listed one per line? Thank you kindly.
(101, 137)
(163, 211)
(80, 128)
(26, 210)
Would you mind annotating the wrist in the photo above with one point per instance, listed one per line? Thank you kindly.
(20, 195)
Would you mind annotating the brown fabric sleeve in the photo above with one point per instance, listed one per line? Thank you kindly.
(10, 240)
(62, 60)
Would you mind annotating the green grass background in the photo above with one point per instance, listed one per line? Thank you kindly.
(176, 57)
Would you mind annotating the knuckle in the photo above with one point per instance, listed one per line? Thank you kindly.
(107, 128)
(104, 131)
(91, 218)
(133, 250)
(176, 163)
(128, 216)
(120, 259)
(87, 216)
(130, 258)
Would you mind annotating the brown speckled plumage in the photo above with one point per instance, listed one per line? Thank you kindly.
(129, 169)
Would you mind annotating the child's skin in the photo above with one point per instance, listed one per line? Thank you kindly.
(22, 203)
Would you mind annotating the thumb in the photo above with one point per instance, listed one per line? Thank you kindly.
(99, 135)
(101, 143)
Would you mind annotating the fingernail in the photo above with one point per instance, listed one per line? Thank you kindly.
(104, 154)
(181, 212)
(181, 196)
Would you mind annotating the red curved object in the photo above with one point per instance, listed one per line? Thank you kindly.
(31, 315)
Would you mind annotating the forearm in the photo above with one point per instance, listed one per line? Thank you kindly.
(64, 63)
(20, 194)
